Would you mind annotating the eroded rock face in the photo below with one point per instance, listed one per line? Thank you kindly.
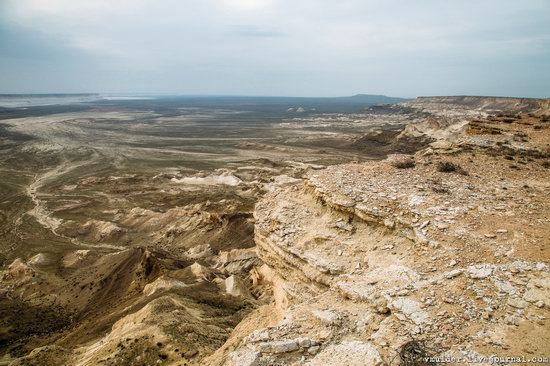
(348, 353)
(374, 260)
(19, 270)
(235, 287)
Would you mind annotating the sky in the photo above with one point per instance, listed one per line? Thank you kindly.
(276, 47)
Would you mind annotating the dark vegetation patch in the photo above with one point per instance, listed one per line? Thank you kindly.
(21, 321)
(415, 353)
(38, 111)
(450, 167)
(10, 138)
(404, 164)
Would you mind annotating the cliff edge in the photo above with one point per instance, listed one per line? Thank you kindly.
(443, 253)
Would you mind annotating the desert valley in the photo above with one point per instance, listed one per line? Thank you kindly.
(274, 231)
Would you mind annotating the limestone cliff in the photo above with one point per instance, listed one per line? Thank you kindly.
(484, 103)
(440, 254)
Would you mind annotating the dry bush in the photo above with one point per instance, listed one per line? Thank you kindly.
(415, 353)
(404, 164)
(450, 167)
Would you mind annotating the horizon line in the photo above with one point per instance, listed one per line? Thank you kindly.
(163, 94)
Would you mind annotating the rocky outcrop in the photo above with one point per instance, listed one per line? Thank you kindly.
(484, 103)
(379, 262)
(544, 107)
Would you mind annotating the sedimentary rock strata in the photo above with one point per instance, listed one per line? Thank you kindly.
(444, 255)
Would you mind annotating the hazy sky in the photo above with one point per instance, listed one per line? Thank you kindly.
(276, 47)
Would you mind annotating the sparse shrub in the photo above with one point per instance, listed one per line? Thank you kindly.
(509, 157)
(513, 166)
(545, 118)
(404, 164)
(546, 164)
(446, 167)
(415, 353)
(438, 186)
(450, 167)
(440, 189)
(520, 136)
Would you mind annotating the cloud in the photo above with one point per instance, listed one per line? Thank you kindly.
(284, 46)
(255, 31)
(248, 5)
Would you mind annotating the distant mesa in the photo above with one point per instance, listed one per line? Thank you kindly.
(489, 103)
(374, 99)
(36, 100)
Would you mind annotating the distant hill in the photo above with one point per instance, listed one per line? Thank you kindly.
(374, 99)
